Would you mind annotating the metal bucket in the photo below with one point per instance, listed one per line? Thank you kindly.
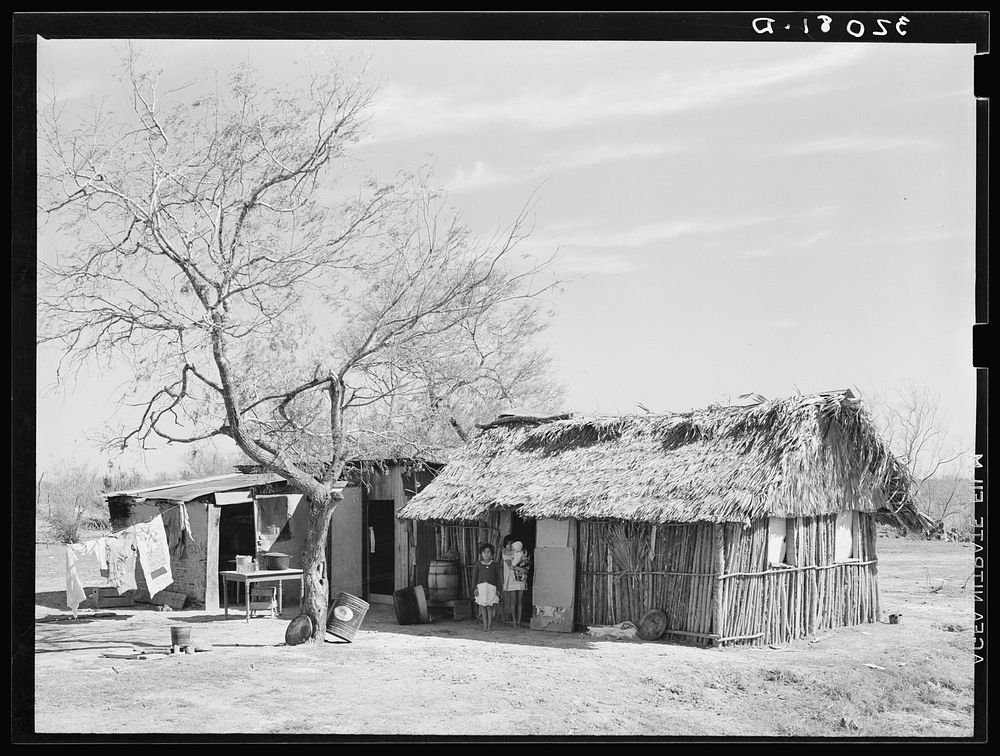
(345, 616)
(277, 561)
(180, 635)
(243, 563)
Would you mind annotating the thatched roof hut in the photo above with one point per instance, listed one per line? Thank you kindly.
(800, 456)
(750, 524)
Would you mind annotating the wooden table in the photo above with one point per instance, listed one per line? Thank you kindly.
(261, 576)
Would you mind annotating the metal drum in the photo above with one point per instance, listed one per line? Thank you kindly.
(442, 580)
(410, 606)
(345, 616)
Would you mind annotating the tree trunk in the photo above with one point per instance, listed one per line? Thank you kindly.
(315, 597)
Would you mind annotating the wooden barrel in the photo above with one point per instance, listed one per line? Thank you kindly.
(410, 605)
(442, 580)
(652, 624)
(345, 616)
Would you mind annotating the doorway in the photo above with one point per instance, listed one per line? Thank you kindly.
(524, 530)
(379, 530)
(237, 535)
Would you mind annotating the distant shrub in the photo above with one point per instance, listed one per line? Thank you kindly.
(66, 524)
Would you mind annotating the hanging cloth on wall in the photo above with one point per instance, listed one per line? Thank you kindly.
(154, 554)
(75, 594)
(272, 514)
(121, 560)
(186, 522)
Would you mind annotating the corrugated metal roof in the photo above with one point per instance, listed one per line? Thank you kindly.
(187, 490)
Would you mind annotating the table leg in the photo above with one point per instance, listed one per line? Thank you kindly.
(225, 596)
(302, 590)
(280, 584)
(246, 594)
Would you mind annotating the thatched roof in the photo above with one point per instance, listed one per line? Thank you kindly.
(805, 455)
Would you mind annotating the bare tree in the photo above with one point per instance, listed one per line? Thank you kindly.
(254, 297)
(913, 427)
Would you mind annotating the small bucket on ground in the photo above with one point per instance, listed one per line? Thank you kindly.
(345, 616)
(180, 636)
(894, 619)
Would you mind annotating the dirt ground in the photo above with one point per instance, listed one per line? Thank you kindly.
(454, 678)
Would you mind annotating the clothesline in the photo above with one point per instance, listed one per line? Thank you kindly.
(144, 544)
(158, 514)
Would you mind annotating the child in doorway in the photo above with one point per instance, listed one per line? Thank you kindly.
(488, 580)
(515, 578)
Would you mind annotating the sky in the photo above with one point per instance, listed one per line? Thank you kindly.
(729, 217)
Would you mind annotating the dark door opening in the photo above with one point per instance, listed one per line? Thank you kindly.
(380, 546)
(237, 535)
(524, 531)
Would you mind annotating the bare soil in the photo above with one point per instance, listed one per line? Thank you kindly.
(454, 678)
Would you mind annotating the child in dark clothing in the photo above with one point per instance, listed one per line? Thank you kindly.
(488, 579)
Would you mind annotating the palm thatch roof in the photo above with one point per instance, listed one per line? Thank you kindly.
(800, 456)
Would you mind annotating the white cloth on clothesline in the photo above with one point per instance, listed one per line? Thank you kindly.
(154, 554)
(75, 594)
(121, 560)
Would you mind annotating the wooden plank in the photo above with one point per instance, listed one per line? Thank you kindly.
(212, 559)
(720, 567)
(401, 556)
(346, 545)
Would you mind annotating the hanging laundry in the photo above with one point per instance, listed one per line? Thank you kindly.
(75, 594)
(101, 552)
(178, 538)
(121, 561)
(154, 554)
(186, 522)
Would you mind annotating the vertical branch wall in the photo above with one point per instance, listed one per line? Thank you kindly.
(750, 601)
(764, 604)
(678, 577)
(465, 539)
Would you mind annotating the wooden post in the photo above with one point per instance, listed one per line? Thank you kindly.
(212, 559)
(720, 567)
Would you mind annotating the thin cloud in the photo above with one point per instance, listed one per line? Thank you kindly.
(784, 244)
(860, 143)
(407, 113)
(477, 176)
(648, 234)
(482, 175)
(595, 264)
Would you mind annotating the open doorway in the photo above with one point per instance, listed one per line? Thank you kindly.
(237, 535)
(523, 530)
(379, 528)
